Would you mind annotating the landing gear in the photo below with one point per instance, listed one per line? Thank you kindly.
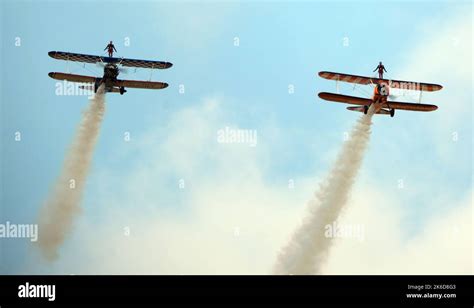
(392, 112)
(122, 90)
(366, 109)
(96, 85)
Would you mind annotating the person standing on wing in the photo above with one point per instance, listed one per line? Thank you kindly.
(110, 49)
(380, 69)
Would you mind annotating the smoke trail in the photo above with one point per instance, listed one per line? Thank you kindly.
(309, 247)
(63, 205)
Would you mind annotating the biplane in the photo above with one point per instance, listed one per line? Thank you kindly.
(381, 94)
(112, 67)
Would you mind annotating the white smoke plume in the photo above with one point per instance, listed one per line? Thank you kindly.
(308, 247)
(57, 215)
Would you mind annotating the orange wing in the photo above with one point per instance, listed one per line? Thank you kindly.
(410, 106)
(395, 84)
(345, 99)
(365, 101)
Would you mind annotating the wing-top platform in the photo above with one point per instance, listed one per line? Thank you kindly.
(395, 84)
(78, 57)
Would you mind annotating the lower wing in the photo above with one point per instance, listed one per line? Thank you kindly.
(119, 83)
(141, 84)
(366, 102)
(410, 106)
(72, 77)
(345, 99)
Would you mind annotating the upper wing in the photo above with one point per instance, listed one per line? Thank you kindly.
(145, 63)
(72, 77)
(141, 84)
(396, 84)
(410, 106)
(345, 99)
(78, 57)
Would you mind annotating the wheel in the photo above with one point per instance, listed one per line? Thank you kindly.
(392, 112)
(122, 90)
(366, 109)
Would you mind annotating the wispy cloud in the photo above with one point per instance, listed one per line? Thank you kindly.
(231, 219)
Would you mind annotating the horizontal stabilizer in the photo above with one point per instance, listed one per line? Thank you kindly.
(361, 109)
(91, 87)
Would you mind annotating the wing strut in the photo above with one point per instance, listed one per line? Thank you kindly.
(151, 72)
(67, 65)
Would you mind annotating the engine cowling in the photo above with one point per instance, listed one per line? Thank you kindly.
(382, 89)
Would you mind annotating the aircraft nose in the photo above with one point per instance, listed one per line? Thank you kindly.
(51, 75)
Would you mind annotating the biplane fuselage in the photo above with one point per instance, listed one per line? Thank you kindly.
(111, 72)
(380, 97)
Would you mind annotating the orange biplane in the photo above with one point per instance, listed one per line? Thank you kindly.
(381, 94)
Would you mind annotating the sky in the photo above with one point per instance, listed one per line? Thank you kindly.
(236, 62)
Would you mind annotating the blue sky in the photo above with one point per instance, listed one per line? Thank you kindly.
(280, 44)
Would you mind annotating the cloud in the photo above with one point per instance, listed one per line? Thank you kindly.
(232, 219)
(442, 246)
(444, 55)
(226, 219)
